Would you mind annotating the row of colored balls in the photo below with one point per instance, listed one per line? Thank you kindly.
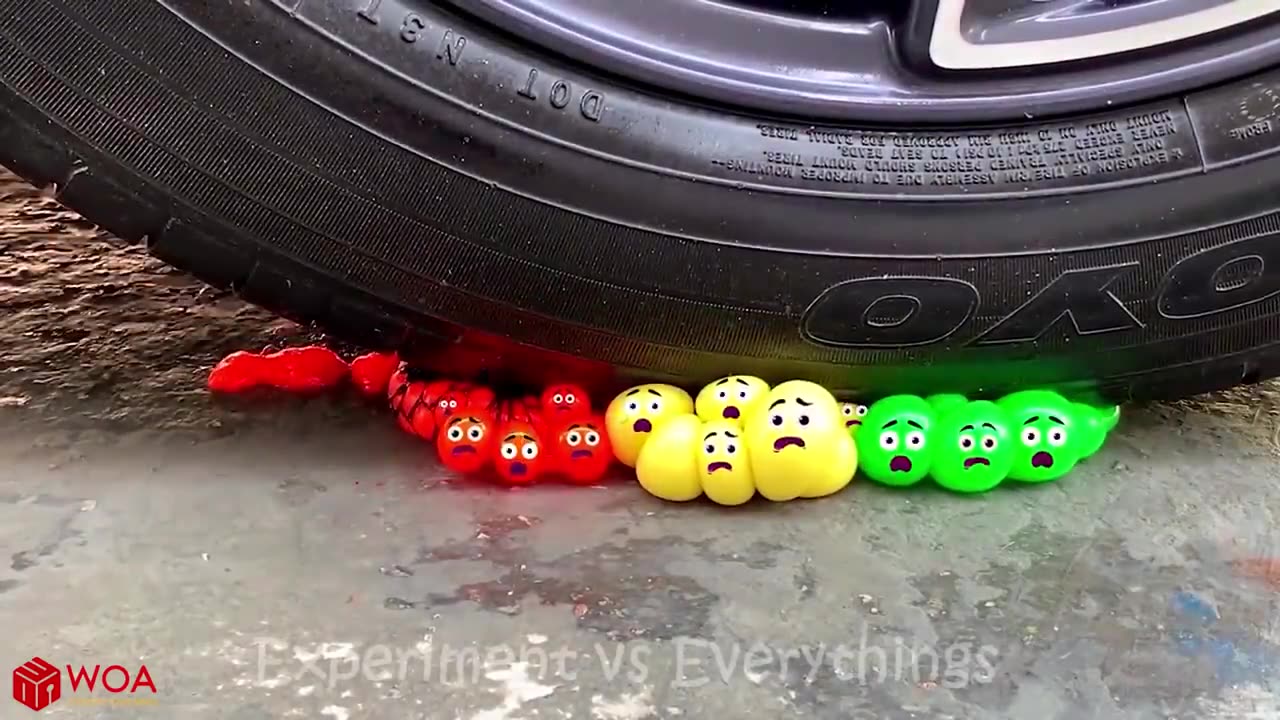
(740, 438)
(519, 441)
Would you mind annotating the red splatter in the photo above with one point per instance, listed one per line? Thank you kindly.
(301, 370)
(1266, 569)
(371, 373)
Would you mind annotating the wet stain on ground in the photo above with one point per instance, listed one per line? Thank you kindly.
(27, 559)
(839, 688)
(7, 585)
(503, 526)
(620, 590)
(297, 492)
(758, 555)
(396, 571)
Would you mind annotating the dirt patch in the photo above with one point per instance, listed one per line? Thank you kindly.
(97, 331)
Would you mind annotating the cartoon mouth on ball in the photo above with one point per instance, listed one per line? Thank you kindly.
(731, 412)
(463, 449)
(851, 423)
(579, 454)
(970, 462)
(642, 425)
(718, 465)
(518, 468)
(1042, 459)
(789, 441)
(900, 463)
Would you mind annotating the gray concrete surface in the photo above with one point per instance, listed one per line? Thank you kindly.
(284, 558)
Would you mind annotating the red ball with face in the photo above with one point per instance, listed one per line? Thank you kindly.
(450, 401)
(519, 458)
(565, 402)
(582, 450)
(465, 444)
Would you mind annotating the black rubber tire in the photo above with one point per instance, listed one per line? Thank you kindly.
(405, 177)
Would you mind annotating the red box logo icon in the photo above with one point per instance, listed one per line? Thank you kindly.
(37, 684)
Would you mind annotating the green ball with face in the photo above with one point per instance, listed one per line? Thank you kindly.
(893, 444)
(973, 449)
(1049, 437)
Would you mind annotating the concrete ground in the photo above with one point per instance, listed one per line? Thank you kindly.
(277, 558)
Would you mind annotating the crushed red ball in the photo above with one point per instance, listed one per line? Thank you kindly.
(371, 373)
(301, 370)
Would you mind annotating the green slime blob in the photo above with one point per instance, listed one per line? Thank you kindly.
(1049, 435)
(972, 448)
(1096, 422)
(893, 443)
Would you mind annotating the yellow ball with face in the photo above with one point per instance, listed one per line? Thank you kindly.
(724, 469)
(730, 398)
(636, 413)
(853, 413)
(798, 444)
(667, 466)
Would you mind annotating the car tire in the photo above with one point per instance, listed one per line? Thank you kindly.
(406, 177)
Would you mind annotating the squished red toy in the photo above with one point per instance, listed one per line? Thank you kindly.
(414, 402)
(582, 449)
(480, 396)
(565, 402)
(305, 369)
(371, 373)
(519, 459)
(524, 410)
(465, 443)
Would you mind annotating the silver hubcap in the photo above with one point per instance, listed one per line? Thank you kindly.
(969, 35)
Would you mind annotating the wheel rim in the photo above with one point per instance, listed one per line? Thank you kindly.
(919, 61)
